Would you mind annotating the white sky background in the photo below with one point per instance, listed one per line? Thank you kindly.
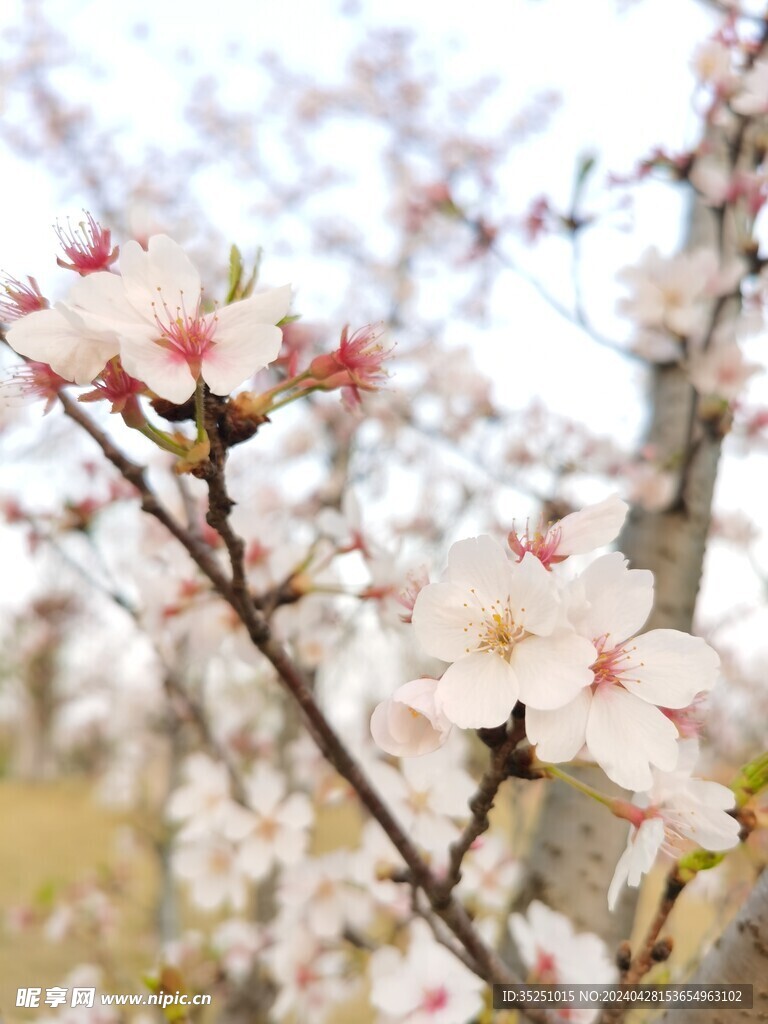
(623, 72)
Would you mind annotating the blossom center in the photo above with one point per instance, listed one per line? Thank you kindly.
(188, 336)
(435, 999)
(610, 664)
(497, 632)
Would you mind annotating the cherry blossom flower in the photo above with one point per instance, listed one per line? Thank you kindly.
(33, 380)
(490, 874)
(211, 868)
(426, 985)
(575, 534)
(410, 723)
(88, 246)
(667, 293)
(721, 371)
(753, 98)
(19, 299)
(152, 316)
(237, 944)
(618, 715)
(121, 390)
(497, 622)
(166, 339)
(203, 801)
(426, 794)
(676, 808)
(311, 979)
(555, 955)
(356, 365)
(274, 829)
(712, 64)
(320, 894)
(63, 338)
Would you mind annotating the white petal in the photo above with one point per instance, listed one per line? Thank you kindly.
(101, 298)
(447, 621)
(480, 563)
(401, 732)
(58, 337)
(163, 276)
(552, 669)
(533, 598)
(559, 735)
(701, 813)
(478, 692)
(591, 527)
(162, 369)
(267, 307)
(669, 668)
(610, 599)
(236, 356)
(625, 736)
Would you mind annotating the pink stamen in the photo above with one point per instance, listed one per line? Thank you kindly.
(88, 246)
(19, 299)
(188, 337)
(435, 999)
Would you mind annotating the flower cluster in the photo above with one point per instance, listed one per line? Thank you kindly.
(152, 315)
(514, 631)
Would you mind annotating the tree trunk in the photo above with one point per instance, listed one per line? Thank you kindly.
(739, 957)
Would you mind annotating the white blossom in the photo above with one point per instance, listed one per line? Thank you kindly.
(497, 622)
(618, 716)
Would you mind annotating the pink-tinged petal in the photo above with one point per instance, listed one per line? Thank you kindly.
(447, 620)
(162, 369)
(559, 735)
(101, 298)
(402, 732)
(234, 357)
(164, 274)
(625, 736)
(591, 527)
(263, 308)
(669, 668)
(552, 669)
(533, 599)
(608, 599)
(478, 692)
(59, 338)
(480, 563)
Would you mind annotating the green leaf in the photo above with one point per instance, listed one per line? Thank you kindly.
(752, 778)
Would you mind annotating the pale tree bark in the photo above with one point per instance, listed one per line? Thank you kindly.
(739, 957)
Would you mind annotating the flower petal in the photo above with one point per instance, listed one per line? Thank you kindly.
(478, 692)
(479, 563)
(591, 527)
(235, 355)
(552, 669)
(161, 278)
(533, 599)
(60, 338)
(267, 307)
(447, 621)
(162, 369)
(609, 599)
(625, 736)
(559, 735)
(669, 667)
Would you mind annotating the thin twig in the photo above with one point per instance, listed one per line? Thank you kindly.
(488, 964)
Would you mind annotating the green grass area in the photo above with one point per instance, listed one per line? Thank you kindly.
(54, 835)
